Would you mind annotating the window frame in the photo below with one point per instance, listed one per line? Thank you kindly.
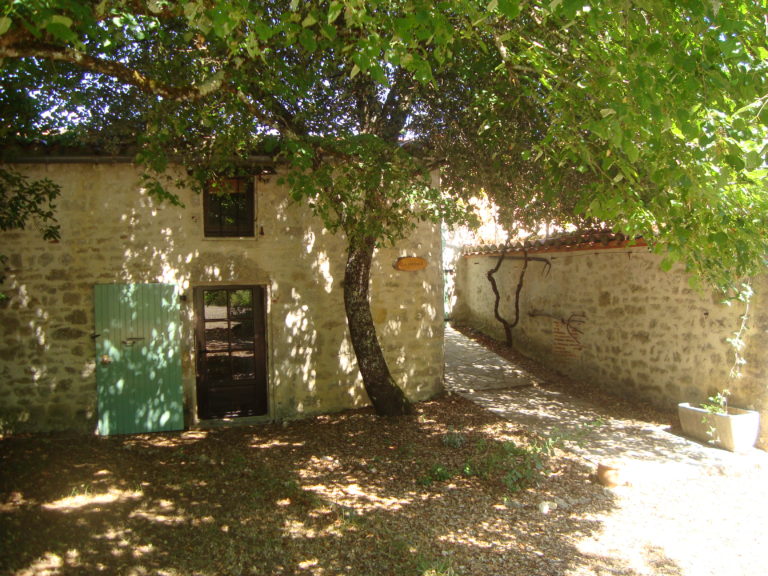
(245, 224)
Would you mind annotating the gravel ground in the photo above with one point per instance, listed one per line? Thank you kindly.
(502, 484)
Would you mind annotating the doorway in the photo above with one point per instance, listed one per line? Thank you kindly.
(231, 351)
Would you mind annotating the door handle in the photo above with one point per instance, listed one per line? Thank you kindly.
(131, 341)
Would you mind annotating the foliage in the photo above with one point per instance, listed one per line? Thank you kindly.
(516, 467)
(454, 439)
(717, 403)
(24, 202)
(650, 117)
(436, 473)
(647, 116)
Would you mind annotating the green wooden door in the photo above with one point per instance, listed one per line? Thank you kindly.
(138, 361)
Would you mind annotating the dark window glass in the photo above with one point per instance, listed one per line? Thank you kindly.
(229, 207)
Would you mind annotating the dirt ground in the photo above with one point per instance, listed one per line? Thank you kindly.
(682, 507)
(453, 490)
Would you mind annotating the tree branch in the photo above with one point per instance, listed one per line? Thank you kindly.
(115, 69)
(394, 111)
(279, 118)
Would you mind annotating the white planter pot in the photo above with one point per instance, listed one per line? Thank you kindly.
(735, 431)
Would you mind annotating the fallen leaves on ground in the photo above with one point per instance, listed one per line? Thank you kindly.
(348, 493)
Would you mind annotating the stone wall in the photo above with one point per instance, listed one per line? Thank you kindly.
(113, 232)
(614, 317)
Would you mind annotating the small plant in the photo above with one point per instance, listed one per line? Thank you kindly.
(436, 567)
(81, 490)
(438, 473)
(349, 515)
(441, 567)
(526, 466)
(546, 444)
(454, 439)
(717, 403)
(517, 466)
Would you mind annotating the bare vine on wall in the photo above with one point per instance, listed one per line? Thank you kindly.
(494, 286)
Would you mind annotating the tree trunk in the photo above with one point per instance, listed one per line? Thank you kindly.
(387, 397)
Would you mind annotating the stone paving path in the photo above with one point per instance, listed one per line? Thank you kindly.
(704, 509)
(471, 367)
(508, 390)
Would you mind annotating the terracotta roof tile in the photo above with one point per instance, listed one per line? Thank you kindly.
(585, 240)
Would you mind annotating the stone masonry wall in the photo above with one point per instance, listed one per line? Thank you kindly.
(635, 330)
(113, 232)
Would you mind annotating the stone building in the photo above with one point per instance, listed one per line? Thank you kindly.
(598, 308)
(149, 316)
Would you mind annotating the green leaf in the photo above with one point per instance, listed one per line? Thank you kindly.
(510, 8)
(191, 10)
(631, 151)
(263, 30)
(61, 32)
(719, 238)
(754, 160)
(571, 7)
(222, 24)
(334, 11)
(605, 112)
(760, 174)
(308, 41)
(5, 24)
(63, 20)
(378, 74)
(310, 20)
(735, 161)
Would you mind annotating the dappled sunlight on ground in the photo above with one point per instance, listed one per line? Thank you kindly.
(96, 500)
(433, 494)
(343, 494)
(676, 499)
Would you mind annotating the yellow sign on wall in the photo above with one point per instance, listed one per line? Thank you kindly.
(410, 263)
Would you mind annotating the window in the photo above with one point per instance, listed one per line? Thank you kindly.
(229, 207)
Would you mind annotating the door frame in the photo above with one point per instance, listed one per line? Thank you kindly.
(197, 327)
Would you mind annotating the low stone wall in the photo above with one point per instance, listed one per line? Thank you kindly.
(113, 232)
(614, 317)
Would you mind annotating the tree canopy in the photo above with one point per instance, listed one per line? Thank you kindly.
(648, 116)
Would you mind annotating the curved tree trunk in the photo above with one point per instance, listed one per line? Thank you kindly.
(387, 397)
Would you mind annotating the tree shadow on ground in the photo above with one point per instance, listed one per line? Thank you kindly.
(343, 494)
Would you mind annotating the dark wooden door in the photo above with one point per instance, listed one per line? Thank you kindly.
(231, 351)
